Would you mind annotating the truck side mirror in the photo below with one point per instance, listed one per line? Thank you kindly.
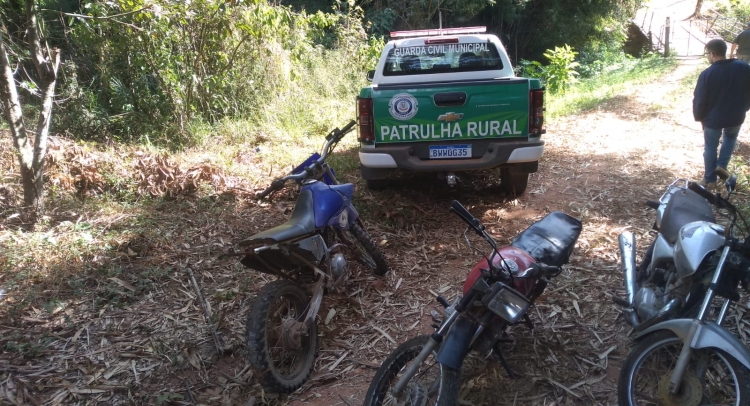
(370, 75)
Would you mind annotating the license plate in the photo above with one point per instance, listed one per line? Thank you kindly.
(450, 151)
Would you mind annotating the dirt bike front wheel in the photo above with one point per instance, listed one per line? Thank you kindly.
(433, 384)
(713, 377)
(365, 249)
(281, 348)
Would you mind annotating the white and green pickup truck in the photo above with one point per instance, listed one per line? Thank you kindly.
(447, 101)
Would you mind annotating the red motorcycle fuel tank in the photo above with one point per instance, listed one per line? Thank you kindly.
(518, 260)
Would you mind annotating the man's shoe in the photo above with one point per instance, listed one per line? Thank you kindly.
(705, 184)
(722, 173)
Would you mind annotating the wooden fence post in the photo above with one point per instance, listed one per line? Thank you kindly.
(666, 38)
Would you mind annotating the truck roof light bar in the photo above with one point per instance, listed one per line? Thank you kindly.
(451, 40)
(443, 31)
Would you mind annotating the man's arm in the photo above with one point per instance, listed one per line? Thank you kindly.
(700, 98)
(731, 53)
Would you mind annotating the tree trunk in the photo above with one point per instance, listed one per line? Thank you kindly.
(17, 126)
(697, 12)
(31, 157)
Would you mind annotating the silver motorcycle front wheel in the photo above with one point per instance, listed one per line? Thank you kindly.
(713, 377)
(432, 385)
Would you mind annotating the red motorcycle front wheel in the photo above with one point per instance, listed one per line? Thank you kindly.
(432, 385)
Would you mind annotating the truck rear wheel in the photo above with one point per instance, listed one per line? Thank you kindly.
(513, 183)
(377, 184)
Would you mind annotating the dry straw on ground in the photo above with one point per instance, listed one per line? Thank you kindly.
(140, 336)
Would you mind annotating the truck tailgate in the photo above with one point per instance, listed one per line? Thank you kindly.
(451, 111)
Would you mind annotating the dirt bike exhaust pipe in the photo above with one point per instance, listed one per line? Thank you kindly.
(626, 241)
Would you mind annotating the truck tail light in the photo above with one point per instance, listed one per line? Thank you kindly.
(536, 112)
(366, 121)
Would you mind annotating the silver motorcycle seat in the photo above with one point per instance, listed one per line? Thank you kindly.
(301, 223)
(685, 206)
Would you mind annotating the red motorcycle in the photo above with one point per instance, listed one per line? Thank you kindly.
(497, 293)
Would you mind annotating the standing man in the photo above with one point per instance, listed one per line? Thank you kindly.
(742, 45)
(720, 100)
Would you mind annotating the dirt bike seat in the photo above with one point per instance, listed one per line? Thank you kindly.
(685, 206)
(301, 223)
(551, 239)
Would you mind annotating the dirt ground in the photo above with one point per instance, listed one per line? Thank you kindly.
(599, 166)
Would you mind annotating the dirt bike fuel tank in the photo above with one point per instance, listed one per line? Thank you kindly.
(679, 207)
(329, 200)
(696, 240)
(549, 241)
(517, 262)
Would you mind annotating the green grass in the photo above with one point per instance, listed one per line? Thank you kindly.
(590, 92)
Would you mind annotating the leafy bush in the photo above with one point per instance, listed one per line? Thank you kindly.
(148, 75)
(738, 9)
(559, 74)
(561, 71)
(603, 53)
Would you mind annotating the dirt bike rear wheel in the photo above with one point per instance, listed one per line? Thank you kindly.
(282, 357)
(433, 384)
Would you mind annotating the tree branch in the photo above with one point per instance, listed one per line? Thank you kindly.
(41, 63)
(85, 17)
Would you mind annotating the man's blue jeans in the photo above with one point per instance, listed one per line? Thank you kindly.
(711, 137)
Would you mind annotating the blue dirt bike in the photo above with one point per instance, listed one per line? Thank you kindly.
(307, 254)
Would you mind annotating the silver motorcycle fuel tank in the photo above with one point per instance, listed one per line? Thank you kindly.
(697, 239)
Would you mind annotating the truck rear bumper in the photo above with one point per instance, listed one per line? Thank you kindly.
(409, 157)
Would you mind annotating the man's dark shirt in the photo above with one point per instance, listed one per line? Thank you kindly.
(722, 94)
(743, 42)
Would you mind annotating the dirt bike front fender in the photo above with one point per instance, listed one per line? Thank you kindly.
(455, 346)
(707, 335)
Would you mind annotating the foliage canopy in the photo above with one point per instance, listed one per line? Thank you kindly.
(149, 71)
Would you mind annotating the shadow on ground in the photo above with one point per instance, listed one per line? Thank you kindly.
(123, 323)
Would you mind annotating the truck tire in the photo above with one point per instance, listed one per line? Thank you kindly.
(513, 183)
(376, 184)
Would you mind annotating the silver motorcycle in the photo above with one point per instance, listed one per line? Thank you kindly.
(671, 280)
(693, 361)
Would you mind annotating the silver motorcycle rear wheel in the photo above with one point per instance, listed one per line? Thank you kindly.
(713, 377)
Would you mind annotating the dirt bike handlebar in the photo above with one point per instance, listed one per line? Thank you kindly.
(714, 199)
(543, 271)
(337, 135)
(464, 214)
(275, 185)
(700, 190)
(332, 138)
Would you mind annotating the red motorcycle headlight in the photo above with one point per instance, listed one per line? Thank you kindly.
(506, 302)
